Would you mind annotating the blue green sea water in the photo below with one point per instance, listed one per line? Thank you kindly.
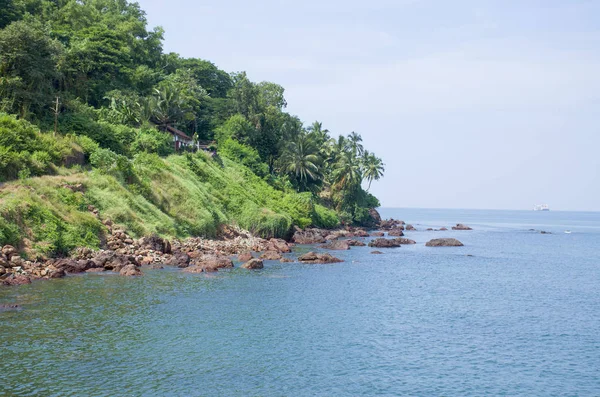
(512, 313)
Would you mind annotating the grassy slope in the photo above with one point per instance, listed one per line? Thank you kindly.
(180, 196)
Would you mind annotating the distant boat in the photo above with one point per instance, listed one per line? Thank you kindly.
(541, 207)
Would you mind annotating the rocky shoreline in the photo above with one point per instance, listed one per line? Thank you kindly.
(126, 256)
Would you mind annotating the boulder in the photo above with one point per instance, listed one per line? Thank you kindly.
(286, 260)
(9, 251)
(245, 256)
(356, 243)
(375, 217)
(390, 224)
(157, 243)
(410, 228)
(16, 279)
(279, 245)
(337, 245)
(69, 265)
(253, 264)
(460, 226)
(271, 256)
(130, 270)
(309, 236)
(396, 232)
(313, 258)
(179, 259)
(384, 243)
(359, 233)
(443, 229)
(377, 234)
(405, 241)
(377, 252)
(213, 264)
(444, 242)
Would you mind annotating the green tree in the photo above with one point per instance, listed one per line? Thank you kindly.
(373, 167)
(28, 58)
(302, 162)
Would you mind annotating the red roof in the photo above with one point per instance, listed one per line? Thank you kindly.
(179, 133)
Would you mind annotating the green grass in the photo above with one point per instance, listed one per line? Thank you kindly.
(177, 196)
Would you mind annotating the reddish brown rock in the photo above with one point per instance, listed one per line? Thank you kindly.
(410, 228)
(356, 243)
(16, 279)
(286, 260)
(384, 243)
(377, 234)
(245, 256)
(309, 236)
(271, 256)
(337, 245)
(460, 226)
(130, 270)
(405, 241)
(396, 232)
(444, 242)
(253, 264)
(279, 245)
(377, 252)
(314, 258)
(443, 229)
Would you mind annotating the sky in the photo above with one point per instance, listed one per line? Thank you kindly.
(490, 104)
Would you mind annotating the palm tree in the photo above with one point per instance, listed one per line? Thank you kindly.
(373, 167)
(301, 159)
(347, 172)
(321, 135)
(354, 142)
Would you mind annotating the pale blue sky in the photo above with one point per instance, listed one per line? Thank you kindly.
(470, 103)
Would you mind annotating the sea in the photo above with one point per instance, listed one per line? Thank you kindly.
(513, 312)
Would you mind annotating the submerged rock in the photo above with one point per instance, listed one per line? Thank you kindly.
(377, 252)
(356, 243)
(377, 234)
(444, 242)
(410, 228)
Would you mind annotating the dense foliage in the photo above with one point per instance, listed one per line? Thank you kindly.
(95, 79)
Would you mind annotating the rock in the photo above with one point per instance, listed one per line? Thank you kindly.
(70, 265)
(384, 243)
(444, 242)
(156, 243)
(286, 260)
(130, 270)
(95, 270)
(270, 256)
(397, 232)
(356, 243)
(545, 232)
(16, 279)
(429, 229)
(375, 217)
(460, 226)
(405, 241)
(390, 224)
(377, 252)
(377, 234)
(245, 256)
(9, 306)
(254, 263)
(179, 259)
(332, 237)
(410, 228)
(443, 229)
(279, 245)
(359, 233)
(16, 260)
(2, 270)
(213, 264)
(9, 251)
(309, 236)
(194, 269)
(337, 245)
(313, 257)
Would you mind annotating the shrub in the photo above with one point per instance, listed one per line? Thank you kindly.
(244, 155)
